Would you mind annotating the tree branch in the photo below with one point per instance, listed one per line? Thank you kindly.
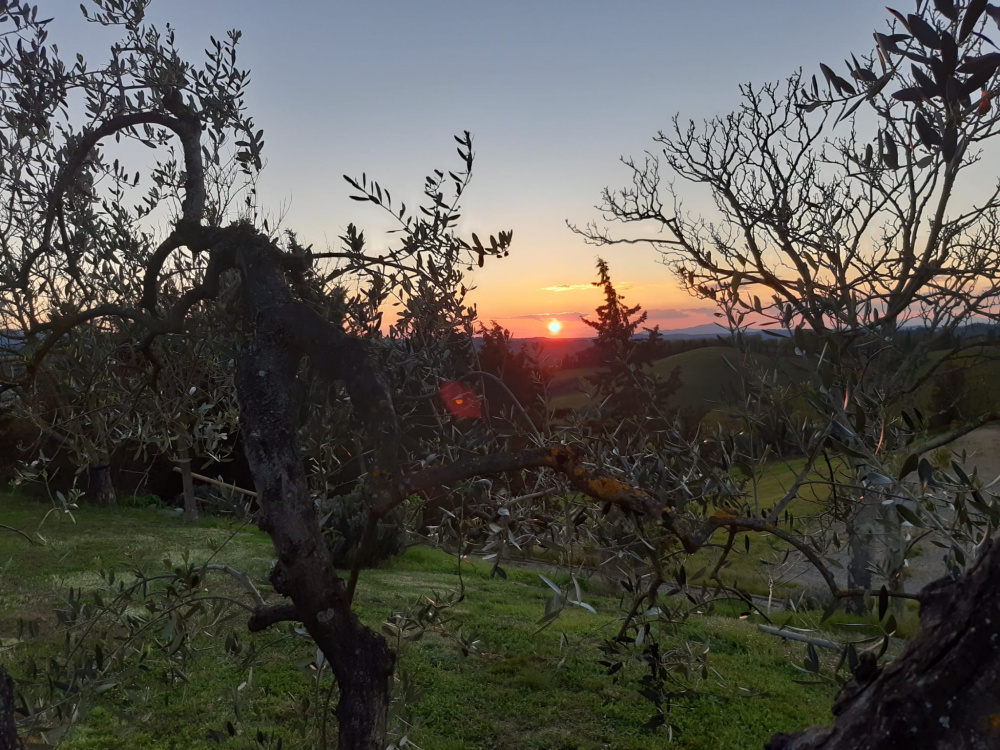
(565, 459)
(947, 437)
(31, 541)
(240, 576)
(187, 129)
(265, 616)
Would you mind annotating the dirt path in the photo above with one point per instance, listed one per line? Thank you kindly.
(982, 448)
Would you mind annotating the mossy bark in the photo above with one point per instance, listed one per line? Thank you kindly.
(942, 692)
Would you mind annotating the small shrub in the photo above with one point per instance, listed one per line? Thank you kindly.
(214, 501)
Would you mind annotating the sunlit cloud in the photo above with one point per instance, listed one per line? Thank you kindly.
(619, 285)
(566, 287)
(547, 315)
(668, 313)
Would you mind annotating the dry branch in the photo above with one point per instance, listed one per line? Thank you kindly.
(218, 483)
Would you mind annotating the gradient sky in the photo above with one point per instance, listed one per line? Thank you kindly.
(553, 92)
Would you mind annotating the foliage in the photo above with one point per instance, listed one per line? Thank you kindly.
(344, 519)
(836, 241)
(334, 402)
(615, 325)
(524, 378)
(547, 687)
(622, 385)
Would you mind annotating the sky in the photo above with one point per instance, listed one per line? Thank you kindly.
(554, 94)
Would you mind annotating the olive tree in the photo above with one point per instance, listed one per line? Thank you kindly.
(835, 241)
(305, 334)
(76, 223)
(78, 411)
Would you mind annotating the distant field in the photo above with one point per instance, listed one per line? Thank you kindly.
(709, 379)
(980, 377)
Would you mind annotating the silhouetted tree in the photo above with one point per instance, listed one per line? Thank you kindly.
(616, 322)
(77, 251)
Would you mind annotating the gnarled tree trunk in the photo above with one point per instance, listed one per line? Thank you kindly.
(942, 692)
(8, 727)
(360, 658)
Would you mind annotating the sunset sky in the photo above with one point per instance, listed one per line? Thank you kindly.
(553, 92)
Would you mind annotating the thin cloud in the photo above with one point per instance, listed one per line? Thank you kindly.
(667, 313)
(546, 316)
(620, 286)
(566, 287)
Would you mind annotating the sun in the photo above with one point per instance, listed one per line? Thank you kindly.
(554, 327)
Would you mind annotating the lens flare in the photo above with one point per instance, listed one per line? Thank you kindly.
(461, 400)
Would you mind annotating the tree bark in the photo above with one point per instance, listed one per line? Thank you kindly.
(8, 727)
(187, 481)
(102, 489)
(360, 658)
(942, 692)
(860, 543)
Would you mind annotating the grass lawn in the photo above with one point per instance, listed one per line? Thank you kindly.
(523, 689)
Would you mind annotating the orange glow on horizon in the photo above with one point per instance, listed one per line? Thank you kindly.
(554, 327)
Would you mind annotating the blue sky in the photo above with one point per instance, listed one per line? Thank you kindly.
(553, 92)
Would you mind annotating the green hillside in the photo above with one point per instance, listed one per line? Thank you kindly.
(709, 378)
(962, 388)
(519, 688)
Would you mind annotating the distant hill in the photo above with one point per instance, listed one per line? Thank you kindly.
(705, 375)
(704, 331)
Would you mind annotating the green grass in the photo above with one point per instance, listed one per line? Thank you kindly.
(708, 375)
(980, 371)
(568, 389)
(749, 567)
(523, 690)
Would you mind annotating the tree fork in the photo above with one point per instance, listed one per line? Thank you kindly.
(360, 658)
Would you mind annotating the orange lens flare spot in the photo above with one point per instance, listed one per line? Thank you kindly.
(461, 400)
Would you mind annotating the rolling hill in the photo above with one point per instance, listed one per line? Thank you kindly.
(709, 379)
